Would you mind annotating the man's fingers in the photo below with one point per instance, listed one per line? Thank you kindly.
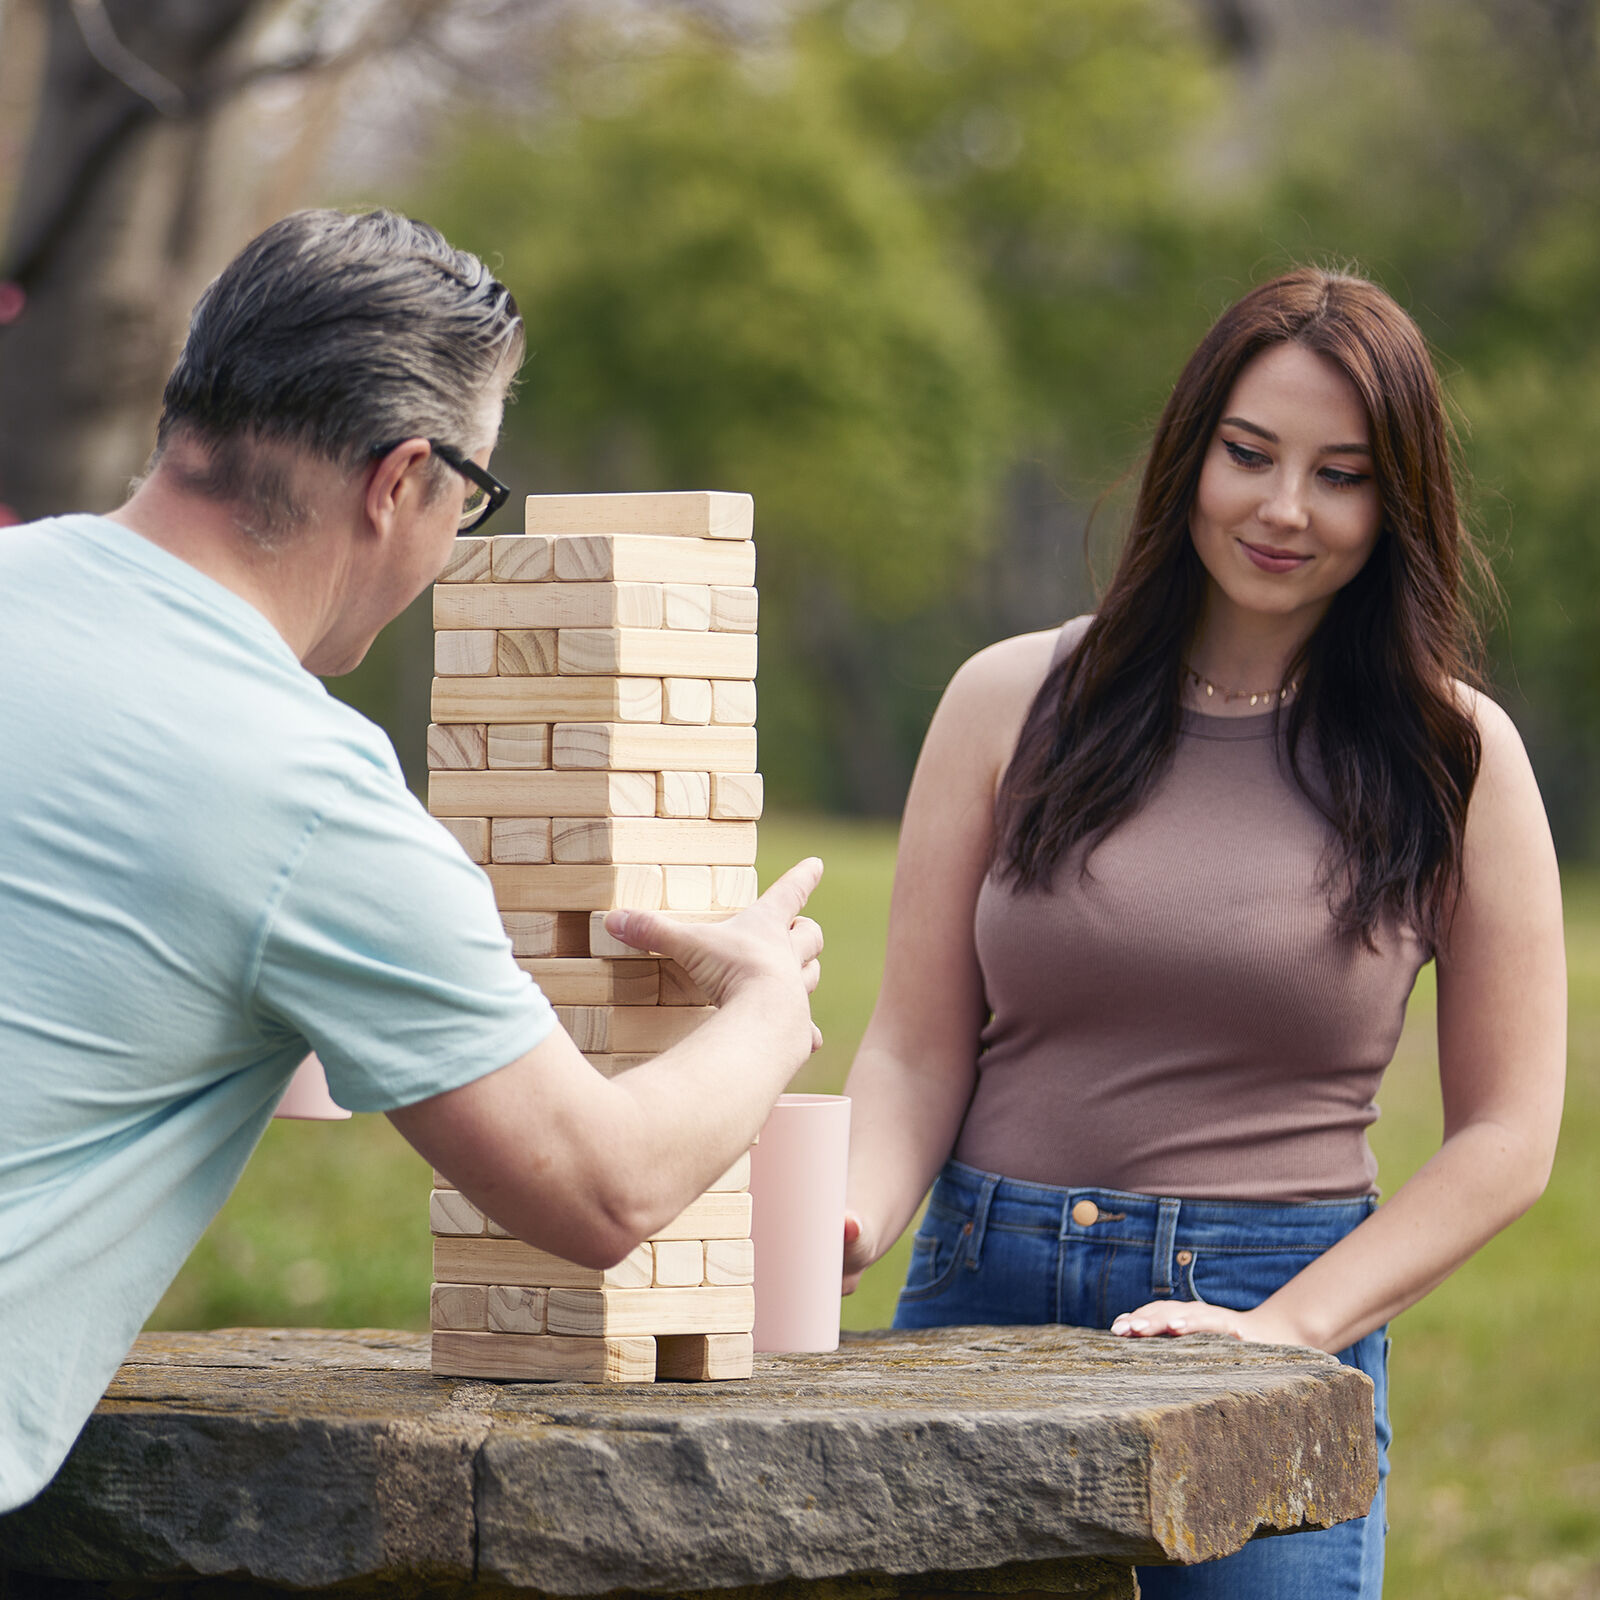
(788, 895)
(805, 937)
(811, 976)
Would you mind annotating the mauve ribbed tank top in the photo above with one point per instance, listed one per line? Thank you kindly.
(1187, 1020)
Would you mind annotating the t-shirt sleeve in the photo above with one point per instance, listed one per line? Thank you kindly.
(385, 952)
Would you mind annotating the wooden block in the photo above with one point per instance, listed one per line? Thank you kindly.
(730, 1261)
(468, 562)
(518, 746)
(733, 888)
(519, 558)
(683, 794)
(686, 888)
(572, 888)
(464, 652)
(672, 841)
(676, 988)
(591, 982)
(543, 934)
(609, 1064)
(546, 700)
(510, 1261)
(440, 1181)
(733, 701)
(616, 1313)
(525, 839)
(643, 747)
(654, 652)
(610, 1029)
(542, 794)
(547, 605)
(687, 700)
(686, 607)
(457, 748)
(531, 1358)
(712, 1216)
(681, 1263)
(704, 1357)
(733, 610)
(736, 795)
(735, 1178)
(652, 558)
(526, 652)
(471, 833)
(512, 1308)
(602, 943)
(451, 1213)
(696, 514)
(462, 1306)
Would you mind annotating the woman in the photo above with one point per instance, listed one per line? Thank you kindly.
(1166, 879)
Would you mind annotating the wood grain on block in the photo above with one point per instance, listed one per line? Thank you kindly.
(671, 841)
(733, 610)
(450, 1213)
(645, 747)
(676, 988)
(690, 514)
(730, 1261)
(616, 1313)
(463, 1306)
(681, 1263)
(526, 652)
(542, 934)
(464, 652)
(610, 1029)
(519, 746)
(510, 1261)
(569, 888)
(519, 558)
(735, 1178)
(733, 888)
(547, 700)
(511, 1308)
(542, 794)
(519, 839)
(704, 1357)
(736, 795)
(609, 1063)
(651, 558)
(591, 982)
(686, 888)
(733, 701)
(683, 794)
(686, 607)
(457, 748)
(471, 833)
(547, 605)
(655, 652)
(468, 562)
(687, 700)
(536, 1357)
(712, 1216)
(602, 943)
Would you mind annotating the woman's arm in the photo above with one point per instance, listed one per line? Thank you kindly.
(1502, 1066)
(914, 1072)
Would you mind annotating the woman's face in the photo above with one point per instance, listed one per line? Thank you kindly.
(1287, 510)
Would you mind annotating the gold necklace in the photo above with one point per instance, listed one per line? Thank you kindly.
(1263, 696)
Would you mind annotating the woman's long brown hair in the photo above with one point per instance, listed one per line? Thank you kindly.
(1397, 746)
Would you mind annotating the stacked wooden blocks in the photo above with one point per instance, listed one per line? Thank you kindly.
(593, 746)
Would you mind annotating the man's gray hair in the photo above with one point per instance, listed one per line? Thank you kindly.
(334, 334)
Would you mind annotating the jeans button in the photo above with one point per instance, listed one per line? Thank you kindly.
(1086, 1213)
(1185, 1257)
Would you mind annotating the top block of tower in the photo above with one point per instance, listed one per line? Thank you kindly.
(695, 514)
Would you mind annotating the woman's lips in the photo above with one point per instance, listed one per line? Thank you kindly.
(1270, 559)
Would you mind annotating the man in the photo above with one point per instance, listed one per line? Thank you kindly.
(209, 866)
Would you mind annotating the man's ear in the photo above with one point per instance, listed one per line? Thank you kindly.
(397, 478)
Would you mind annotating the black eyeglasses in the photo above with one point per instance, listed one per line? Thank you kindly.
(488, 493)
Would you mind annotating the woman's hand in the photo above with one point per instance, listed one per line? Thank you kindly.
(1177, 1317)
(858, 1252)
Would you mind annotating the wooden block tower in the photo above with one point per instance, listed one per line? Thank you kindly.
(593, 746)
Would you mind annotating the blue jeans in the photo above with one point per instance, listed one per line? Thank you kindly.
(996, 1250)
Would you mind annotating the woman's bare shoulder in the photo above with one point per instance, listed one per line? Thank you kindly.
(1015, 667)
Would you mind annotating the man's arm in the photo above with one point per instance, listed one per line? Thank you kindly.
(587, 1167)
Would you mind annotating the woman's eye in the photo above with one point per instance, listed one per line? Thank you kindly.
(1243, 455)
(1341, 479)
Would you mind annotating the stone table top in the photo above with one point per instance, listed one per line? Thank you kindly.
(310, 1459)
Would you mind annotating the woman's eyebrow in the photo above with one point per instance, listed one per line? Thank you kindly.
(1272, 438)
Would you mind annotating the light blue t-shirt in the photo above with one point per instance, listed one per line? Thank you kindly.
(208, 866)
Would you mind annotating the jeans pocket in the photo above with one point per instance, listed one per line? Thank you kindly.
(936, 1253)
(1240, 1280)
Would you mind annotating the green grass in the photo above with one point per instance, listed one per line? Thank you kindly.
(1496, 1377)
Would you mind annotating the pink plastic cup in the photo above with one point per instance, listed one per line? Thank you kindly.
(307, 1098)
(797, 1181)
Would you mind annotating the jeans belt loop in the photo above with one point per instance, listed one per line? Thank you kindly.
(980, 1221)
(1161, 1256)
